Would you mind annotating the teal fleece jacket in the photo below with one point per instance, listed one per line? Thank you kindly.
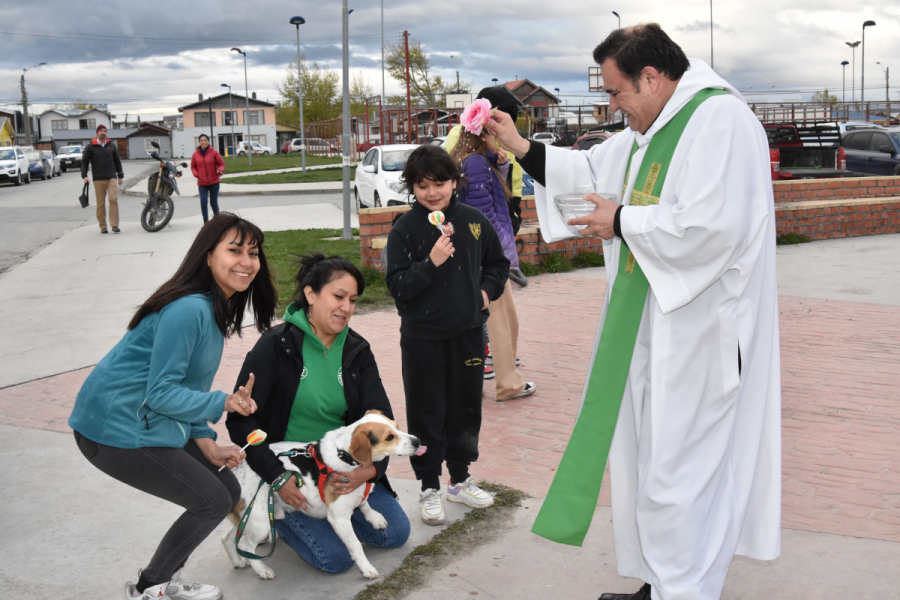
(152, 389)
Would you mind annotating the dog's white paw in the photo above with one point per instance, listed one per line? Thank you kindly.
(368, 571)
(262, 570)
(377, 521)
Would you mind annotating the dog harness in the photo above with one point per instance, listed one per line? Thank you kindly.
(325, 470)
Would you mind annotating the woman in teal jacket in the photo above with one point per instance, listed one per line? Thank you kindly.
(142, 416)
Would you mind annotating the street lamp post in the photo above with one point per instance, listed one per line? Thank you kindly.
(383, 97)
(887, 94)
(619, 18)
(844, 64)
(298, 21)
(853, 45)
(231, 114)
(862, 64)
(247, 114)
(347, 234)
(25, 103)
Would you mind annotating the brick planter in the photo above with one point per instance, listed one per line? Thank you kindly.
(821, 209)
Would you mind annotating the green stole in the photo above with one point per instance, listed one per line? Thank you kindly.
(569, 507)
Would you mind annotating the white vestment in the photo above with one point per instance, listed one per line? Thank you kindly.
(696, 457)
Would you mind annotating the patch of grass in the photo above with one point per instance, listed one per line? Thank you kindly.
(475, 528)
(316, 176)
(283, 248)
(585, 260)
(557, 263)
(789, 239)
(240, 164)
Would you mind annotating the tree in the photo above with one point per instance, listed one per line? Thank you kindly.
(321, 94)
(74, 104)
(359, 91)
(824, 97)
(423, 86)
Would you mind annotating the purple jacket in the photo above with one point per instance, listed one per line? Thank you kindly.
(485, 192)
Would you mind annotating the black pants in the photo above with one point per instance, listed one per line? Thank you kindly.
(443, 380)
(181, 476)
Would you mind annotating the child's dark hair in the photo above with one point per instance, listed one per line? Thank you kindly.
(432, 163)
(317, 270)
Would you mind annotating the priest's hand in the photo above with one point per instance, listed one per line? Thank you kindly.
(502, 126)
(600, 221)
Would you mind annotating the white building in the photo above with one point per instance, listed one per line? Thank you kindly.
(72, 119)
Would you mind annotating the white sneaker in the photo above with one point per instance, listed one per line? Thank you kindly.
(184, 589)
(154, 592)
(432, 511)
(469, 494)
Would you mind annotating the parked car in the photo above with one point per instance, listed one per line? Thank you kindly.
(70, 157)
(366, 146)
(590, 140)
(527, 184)
(873, 151)
(38, 166)
(378, 177)
(545, 138)
(805, 151)
(257, 149)
(848, 126)
(14, 166)
(53, 159)
(294, 146)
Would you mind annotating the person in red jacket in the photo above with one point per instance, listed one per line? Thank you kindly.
(208, 167)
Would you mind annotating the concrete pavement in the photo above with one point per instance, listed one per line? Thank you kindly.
(841, 411)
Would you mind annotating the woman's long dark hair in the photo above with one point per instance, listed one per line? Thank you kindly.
(195, 277)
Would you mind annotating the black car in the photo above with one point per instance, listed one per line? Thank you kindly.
(873, 151)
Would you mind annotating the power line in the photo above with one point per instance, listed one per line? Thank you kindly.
(123, 38)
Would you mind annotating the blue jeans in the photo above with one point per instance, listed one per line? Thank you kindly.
(212, 192)
(317, 543)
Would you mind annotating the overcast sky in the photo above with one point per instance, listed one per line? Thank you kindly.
(156, 56)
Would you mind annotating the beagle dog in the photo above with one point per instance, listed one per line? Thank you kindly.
(370, 439)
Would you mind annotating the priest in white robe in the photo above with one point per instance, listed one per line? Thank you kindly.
(695, 459)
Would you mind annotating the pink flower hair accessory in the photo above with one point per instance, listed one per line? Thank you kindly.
(476, 115)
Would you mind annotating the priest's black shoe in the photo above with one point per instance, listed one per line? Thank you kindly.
(641, 594)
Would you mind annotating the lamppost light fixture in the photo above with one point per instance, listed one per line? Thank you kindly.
(297, 21)
(862, 77)
(238, 50)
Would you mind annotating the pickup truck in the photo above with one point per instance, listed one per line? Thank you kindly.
(806, 151)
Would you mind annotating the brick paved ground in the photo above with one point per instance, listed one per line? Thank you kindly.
(841, 402)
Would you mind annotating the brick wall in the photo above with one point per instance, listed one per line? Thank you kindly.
(821, 209)
(833, 189)
(829, 219)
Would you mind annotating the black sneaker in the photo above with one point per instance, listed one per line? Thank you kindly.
(103, 230)
(641, 594)
(116, 229)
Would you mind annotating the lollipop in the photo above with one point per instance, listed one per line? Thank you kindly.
(255, 438)
(436, 218)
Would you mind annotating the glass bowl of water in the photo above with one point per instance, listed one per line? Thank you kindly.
(573, 206)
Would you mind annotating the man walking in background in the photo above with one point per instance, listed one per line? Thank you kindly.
(106, 168)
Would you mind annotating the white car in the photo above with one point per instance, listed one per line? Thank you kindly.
(14, 165)
(53, 159)
(257, 149)
(70, 157)
(378, 177)
(545, 138)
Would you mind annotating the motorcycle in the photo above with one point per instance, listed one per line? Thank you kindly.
(159, 208)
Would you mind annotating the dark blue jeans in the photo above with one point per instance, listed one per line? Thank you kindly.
(211, 192)
(317, 543)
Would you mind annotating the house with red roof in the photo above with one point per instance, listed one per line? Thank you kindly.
(541, 106)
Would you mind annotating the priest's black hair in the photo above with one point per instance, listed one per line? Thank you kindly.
(644, 45)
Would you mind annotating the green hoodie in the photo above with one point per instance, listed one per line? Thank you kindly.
(319, 405)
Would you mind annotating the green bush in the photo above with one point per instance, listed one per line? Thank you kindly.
(587, 259)
(557, 263)
(789, 239)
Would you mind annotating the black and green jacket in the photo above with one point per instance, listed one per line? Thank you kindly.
(276, 362)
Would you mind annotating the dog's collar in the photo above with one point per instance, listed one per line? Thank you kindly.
(314, 451)
(347, 458)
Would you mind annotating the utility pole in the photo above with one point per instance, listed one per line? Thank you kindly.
(853, 46)
(25, 103)
(408, 102)
(25, 110)
(347, 234)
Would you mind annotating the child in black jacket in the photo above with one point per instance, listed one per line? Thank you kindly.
(443, 282)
